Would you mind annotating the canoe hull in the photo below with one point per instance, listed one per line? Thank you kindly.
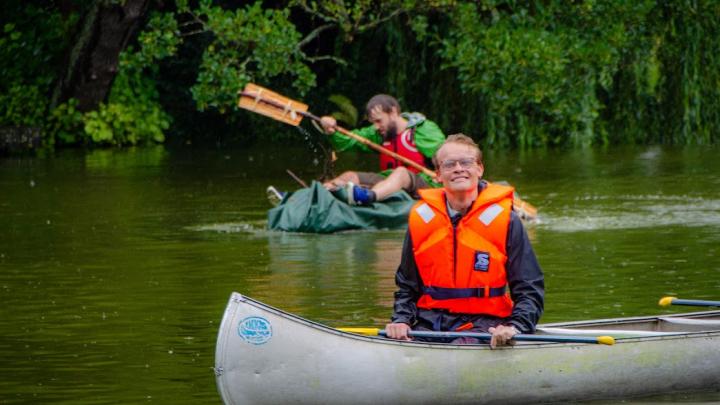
(266, 356)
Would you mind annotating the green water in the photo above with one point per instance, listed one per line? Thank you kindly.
(116, 265)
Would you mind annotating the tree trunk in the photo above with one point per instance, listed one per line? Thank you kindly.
(92, 63)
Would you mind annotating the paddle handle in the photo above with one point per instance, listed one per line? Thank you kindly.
(388, 152)
(519, 337)
(605, 340)
(667, 301)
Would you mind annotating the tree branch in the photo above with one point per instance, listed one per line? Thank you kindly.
(361, 28)
(337, 60)
(187, 34)
(303, 4)
(312, 35)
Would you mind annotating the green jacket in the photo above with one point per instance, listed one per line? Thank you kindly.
(428, 138)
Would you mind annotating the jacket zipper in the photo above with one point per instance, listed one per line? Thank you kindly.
(454, 253)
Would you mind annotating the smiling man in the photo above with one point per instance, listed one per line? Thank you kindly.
(467, 263)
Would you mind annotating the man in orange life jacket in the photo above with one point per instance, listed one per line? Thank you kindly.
(410, 135)
(463, 248)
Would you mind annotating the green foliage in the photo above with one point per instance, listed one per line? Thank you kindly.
(248, 44)
(508, 72)
(65, 124)
(353, 17)
(22, 105)
(540, 67)
(120, 124)
(348, 114)
(28, 53)
(133, 114)
(160, 39)
(690, 60)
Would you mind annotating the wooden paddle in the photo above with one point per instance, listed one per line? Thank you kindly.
(605, 340)
(281, 108)
(266, 102)
(667, 301)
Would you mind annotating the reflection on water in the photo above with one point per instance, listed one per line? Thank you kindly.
(115, 265)
(338, 279)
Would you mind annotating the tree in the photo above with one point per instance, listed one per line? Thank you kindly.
(92, 62)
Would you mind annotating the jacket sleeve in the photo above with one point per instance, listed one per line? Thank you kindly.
(428, 138)
(342, 143)
(409, 286)
(527, 284)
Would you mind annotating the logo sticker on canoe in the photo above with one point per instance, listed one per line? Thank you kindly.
(255, 330)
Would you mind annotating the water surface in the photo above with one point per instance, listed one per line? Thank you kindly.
(116, 265)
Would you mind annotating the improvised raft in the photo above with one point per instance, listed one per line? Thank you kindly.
(316, 210)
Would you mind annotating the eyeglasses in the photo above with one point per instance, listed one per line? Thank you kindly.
(465, 163)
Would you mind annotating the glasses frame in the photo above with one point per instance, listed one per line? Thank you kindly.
(465, 163)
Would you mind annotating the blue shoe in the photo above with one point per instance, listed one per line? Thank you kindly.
(358, 195)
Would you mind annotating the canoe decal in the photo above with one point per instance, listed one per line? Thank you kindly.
(255, 330)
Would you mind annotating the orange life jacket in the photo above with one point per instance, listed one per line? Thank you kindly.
(404, 145)
(463, 268)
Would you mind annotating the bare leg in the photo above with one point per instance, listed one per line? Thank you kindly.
(397, 180)
(341, 180)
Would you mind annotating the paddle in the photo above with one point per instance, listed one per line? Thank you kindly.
(667, 301)
(281, 108)
(605, 340)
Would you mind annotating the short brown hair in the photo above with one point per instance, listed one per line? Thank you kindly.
(385, 102)
(463, 140)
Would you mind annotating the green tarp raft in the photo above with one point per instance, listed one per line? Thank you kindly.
(316, 210)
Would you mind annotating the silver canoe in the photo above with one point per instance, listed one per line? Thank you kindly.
(267, 356)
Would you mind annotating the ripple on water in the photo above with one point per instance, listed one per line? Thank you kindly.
(231, 227)
(633, 211)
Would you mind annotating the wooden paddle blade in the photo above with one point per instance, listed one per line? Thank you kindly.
(266, 102)
(526, 210)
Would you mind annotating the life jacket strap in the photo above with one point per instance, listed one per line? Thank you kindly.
(443, 293)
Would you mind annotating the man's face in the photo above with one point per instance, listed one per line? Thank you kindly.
(383, 121)
(458, 168)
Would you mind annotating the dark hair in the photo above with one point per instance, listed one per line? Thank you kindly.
(463, 140)
(385, 102)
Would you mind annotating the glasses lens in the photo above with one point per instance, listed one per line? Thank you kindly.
(465, 163)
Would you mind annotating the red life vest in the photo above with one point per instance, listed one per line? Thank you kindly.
(404, 145)
(463, 268)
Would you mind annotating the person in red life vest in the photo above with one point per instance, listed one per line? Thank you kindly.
(467, 263)
(410, 135)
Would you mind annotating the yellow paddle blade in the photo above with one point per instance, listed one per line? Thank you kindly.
(266, 102)
(606, 340)
(666, 301)
(361, 331)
